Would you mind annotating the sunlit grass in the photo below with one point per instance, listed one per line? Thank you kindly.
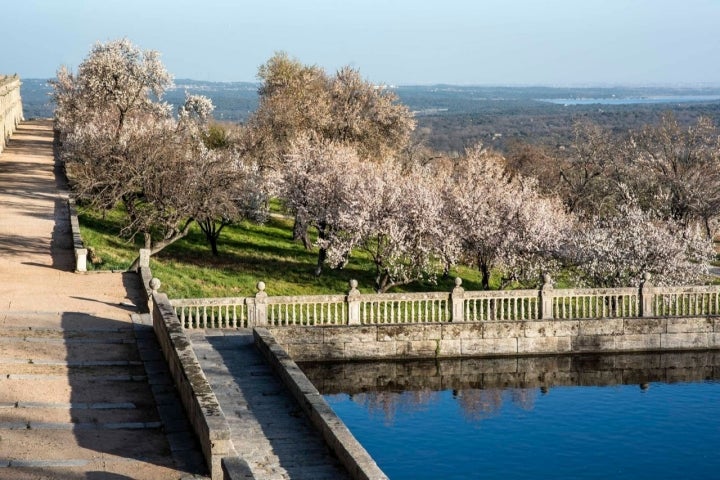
(248, 253)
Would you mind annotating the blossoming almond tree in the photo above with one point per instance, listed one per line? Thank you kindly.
(500, 221)
(393, 216)
(122, 146)
(616, 251)
(317, 185)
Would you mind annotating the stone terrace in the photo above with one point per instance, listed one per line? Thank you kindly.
(83, 388)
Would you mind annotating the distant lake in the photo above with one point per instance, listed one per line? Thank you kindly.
(632, 100)
(591, 417)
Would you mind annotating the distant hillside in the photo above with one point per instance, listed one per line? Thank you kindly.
(451, 118)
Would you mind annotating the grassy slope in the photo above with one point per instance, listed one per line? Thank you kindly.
(248, 253)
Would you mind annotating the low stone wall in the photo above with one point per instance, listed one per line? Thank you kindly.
(201, 405)
(351, 454)
(78, 245)
(11, 113)
(488, 339)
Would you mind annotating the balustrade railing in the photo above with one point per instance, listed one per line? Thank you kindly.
(355, 308)
(212, 312)
(511, 305)
(686, 301)
(306, 310)
(404, 308)
(11, 112)
(596, 303)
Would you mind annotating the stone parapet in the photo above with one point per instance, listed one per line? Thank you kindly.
(491, 339)
(11, 112)
(201, 405)
(341, 441)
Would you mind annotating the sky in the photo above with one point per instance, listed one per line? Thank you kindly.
(396, 42)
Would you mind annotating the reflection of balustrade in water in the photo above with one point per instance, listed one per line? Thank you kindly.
(356, 308)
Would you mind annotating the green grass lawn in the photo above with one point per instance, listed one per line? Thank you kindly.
(248, 253)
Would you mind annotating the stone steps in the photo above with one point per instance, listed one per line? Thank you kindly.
(83, 397)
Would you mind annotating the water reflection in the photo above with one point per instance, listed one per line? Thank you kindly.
(481, 387)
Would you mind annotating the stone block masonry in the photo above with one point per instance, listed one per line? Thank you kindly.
(11, 112)
(201, 405)
(491, 339)
(349, 451)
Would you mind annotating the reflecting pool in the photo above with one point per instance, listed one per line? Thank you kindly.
(588, 417)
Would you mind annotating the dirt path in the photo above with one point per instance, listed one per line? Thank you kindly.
(75, 357)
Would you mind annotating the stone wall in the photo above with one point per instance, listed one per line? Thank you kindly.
(338, 437)
(489, 339)
(201, 405)
(11, 113)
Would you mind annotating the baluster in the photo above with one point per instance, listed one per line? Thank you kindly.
(562, 306)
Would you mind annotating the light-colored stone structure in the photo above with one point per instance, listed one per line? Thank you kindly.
(11, 112)
(459, 305)
(492, 339)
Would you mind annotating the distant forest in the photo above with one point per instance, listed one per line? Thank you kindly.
(452, 118)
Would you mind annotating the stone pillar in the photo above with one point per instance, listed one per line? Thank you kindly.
(457, 298)
(353, 301)
(646, 296)
(144, 258)
(260, 318)
(154, 286)
(546, 298)
(81, 259)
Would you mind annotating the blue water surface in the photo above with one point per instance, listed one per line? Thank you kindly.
(633, 100)
(661, 431)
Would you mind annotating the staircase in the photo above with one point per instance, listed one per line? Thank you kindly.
(78, 400)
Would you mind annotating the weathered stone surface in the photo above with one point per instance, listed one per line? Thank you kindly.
(504, 329)
(504, 338)
(360, 350)
(490, 346)
(688, 325)
(593, 343)
(408, 332)
(541, 345)
(638, 342)
(417, 348)
(552, 328)
(685, 340)
(321, 351)
(453, 348)
(462, 331)
(288, 335)
(350, 334)
(606, 326)
(636, 326)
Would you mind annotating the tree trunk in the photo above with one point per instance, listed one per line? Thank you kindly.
(322, 253)
(485, 272)
(300, 232)
(158, 246)
(212, 231)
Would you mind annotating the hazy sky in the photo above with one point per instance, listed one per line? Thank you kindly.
(498, 42)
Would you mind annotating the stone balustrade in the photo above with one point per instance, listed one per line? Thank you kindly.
(11, 113)
(355, 308)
